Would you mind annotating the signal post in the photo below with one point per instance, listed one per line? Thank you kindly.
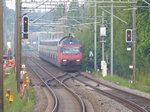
(103, 35)
(19, 37)
(18, 53)
(1, 57)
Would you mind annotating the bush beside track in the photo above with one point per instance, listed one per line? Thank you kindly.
(142, 82)
(18, 105)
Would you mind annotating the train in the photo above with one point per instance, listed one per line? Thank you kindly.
(66, 52)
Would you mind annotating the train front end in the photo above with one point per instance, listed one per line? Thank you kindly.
(70, 54)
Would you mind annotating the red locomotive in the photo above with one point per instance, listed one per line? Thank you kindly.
(65, 53)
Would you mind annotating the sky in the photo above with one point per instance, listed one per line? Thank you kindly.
(10, 4)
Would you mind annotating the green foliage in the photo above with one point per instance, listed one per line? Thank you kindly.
(86, 36)
(122, 57)
(115, 78)
(142, 83)
(18, 105)
(143, 40)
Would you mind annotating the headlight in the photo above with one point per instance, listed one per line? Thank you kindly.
(78, 60)
(64, 60)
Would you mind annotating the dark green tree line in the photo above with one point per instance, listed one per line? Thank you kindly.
(122, 57)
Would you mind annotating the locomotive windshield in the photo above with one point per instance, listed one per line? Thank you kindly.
(71, 50)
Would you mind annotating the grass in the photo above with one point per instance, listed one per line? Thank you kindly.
(18, 105)
(142, 81)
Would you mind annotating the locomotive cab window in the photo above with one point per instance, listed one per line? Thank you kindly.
(71, 50)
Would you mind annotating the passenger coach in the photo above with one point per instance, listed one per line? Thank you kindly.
(65, 53)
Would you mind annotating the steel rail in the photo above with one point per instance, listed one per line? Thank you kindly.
(141, 109)
(133, 106)
(70, 90)
(123, 91)
(128, 103)
(56, 104)
(113, 87)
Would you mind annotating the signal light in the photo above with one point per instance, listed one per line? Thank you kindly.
(64, 60)
(128, 35)
(77, 60)
(25, 27)
(25, 24)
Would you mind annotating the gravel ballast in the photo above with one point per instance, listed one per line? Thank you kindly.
(99, 102)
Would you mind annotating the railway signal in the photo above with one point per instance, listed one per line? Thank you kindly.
(25, 27)
(128, 35)
(25, 24)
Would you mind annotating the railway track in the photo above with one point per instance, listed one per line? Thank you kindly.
(44, 98)
(134, 102)
(66, 100)
(54, 108)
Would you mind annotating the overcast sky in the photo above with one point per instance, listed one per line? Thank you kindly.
(10, 4)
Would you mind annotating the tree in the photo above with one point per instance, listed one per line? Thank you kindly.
(143, 40)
